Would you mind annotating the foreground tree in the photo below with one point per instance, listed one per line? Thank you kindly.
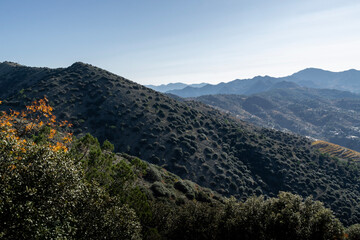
(288, 216)
(353, 232)
(43, 194)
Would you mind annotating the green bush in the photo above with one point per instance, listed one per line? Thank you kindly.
(286, 217)
(43, 189)
(193, 221)
(44, 196)
(353, 232)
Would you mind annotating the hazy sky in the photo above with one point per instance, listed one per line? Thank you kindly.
(191, 41)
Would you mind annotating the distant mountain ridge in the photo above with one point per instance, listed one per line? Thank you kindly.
(174, 86)
(311, 77)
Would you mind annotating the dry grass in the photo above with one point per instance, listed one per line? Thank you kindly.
(337, 150)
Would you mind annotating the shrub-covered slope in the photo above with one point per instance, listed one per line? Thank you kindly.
(49, 192)
(190, 139)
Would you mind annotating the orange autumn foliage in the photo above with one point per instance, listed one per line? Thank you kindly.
(16, 127)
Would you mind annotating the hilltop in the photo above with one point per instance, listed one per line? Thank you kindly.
(190, 139)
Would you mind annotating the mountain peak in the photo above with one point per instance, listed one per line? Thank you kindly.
(311, 70)
(11, 64)
(352, 70)
(259, 77)
(80, 65)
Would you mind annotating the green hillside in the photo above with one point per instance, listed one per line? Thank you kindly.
(56, 187)
(189, 139)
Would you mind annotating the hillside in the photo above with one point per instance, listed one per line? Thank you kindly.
(330, 115)
(310, 78)
(190, 139)
(159, 184)
(104, 195)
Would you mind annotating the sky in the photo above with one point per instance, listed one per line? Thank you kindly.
(189, 41)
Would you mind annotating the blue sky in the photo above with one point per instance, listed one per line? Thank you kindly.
(191, 41)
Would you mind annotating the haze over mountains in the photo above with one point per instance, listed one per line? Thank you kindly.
(311, 78)
(174, 86)
(190, 139)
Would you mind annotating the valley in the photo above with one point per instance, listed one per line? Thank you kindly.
(324, 114)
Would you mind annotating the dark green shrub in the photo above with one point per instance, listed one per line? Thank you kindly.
(286, 217)
(160, 190)
(193, 221)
